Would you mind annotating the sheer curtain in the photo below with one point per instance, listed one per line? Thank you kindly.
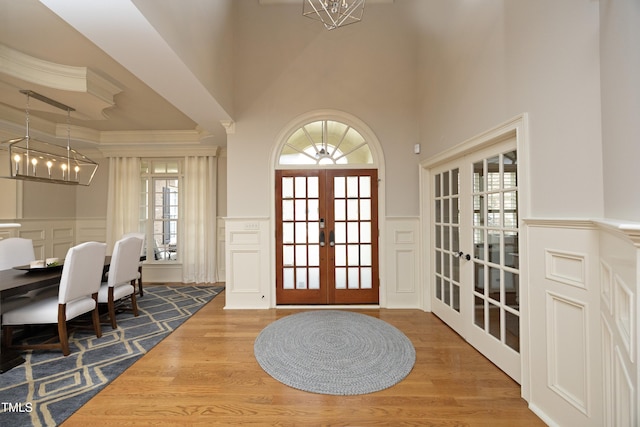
(123, 201)
(198, 200)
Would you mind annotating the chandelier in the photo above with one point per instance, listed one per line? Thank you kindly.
(33, 160)
(334, 13)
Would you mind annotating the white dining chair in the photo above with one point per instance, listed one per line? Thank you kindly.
(123, 272)
(77, 295)
(15, 251)
(140, 236)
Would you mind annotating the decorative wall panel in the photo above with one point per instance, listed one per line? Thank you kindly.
(606, 289)
(405, 266)
(250, 282)
(400, 277)
(624, 315)
(245, 271)
(607, 370)
(624, 395)
(567, 350)
(565, 267)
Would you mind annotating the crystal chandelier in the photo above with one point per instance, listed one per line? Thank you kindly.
(334, 13)
(33, 160)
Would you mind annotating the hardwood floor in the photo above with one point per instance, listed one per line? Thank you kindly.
(204, 374)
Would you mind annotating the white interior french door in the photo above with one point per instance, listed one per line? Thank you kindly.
(475, 251)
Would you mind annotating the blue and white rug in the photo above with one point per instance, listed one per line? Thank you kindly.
(49, 387)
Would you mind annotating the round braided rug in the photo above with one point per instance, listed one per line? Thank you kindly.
(334, 352)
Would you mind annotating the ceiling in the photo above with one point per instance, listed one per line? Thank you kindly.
(54, 55)
(108, 61)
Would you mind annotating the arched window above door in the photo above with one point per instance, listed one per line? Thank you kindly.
(325, 142)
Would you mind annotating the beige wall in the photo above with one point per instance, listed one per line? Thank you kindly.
(436, 72)
(209, 55)
(483, 63)
(620, 65)
(91, 201)
(287, 65)
(41, 200)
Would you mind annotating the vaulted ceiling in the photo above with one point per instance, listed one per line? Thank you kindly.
(107, 62)
(124, 66)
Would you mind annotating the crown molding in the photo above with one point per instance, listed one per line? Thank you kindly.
(155, 150)
(85, 90)
(229, 126)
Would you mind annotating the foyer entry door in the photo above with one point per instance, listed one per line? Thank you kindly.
(327, 237)
(476, 252)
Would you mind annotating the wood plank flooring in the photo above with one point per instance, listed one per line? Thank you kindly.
(205, 374)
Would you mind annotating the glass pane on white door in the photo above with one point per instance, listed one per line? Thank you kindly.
(495, 256)
(447, 238)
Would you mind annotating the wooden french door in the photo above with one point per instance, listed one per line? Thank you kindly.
(476, 252)
(327, 237)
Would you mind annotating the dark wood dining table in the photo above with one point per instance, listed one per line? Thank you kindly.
(16, 282)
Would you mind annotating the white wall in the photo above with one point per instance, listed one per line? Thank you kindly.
(483, 63)
(620, 65)
(287, 65)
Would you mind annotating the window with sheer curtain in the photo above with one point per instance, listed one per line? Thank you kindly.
(173, 201)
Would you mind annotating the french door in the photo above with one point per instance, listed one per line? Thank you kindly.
(475, 277)
(327, 237)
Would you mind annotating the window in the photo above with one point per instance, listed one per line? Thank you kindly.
(325, 142)
(160, 208)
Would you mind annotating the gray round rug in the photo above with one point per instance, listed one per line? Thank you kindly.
(334, 352)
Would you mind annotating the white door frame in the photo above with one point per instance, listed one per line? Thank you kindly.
(518, 127)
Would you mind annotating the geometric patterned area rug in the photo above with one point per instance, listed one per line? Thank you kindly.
(334, 352)
(48, 387)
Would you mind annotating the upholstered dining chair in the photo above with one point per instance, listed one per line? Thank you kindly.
(77, 295)
(140, 236)
(123, 272)
(15, 251)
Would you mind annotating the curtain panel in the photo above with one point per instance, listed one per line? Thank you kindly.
(123, 200)
(199, 213)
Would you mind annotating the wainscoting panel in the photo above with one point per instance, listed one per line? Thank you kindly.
(623, 314)
(567, 350)
(584, 321)
(91, 230)
(221, 250)
(619, 255)
(243, 279)
(401, 256)
(607, 372)
(624, 392)
(565, 267)
(564, 304)
(248, 264)
(51, 237)
(606, 288)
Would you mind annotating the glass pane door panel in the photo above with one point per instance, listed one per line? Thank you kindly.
(447, 238)
(289, 279)
(496, 285)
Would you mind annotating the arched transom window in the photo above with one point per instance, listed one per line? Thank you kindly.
(325, 142)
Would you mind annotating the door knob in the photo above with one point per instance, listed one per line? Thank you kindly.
(332, 242)
(322, 238)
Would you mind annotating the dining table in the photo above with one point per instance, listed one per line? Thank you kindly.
(20, 280)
